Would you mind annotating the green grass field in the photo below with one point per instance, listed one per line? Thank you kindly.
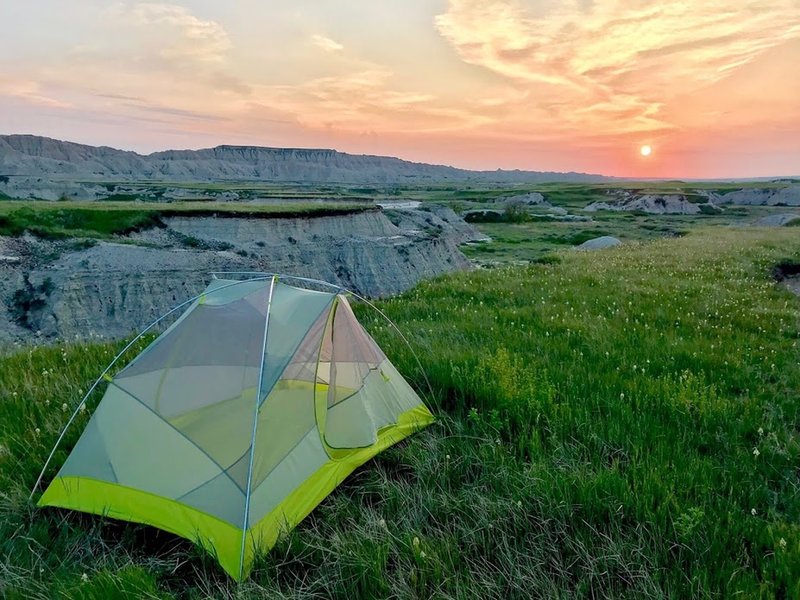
(537, 235)
(60, 220)
(616, 424)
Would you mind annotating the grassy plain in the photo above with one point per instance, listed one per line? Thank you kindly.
(623, 423)
(56, 220)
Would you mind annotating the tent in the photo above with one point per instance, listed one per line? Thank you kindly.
(241, 417)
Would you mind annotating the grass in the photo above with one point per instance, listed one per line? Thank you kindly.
(534, 240)
(59, 220)
(540, 236)
(624, 423)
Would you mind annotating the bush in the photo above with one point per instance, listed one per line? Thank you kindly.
(27, 302)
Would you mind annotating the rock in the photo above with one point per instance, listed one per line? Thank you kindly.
(530, 199)
(111, 288)
(778, 220)
(558, 210)
(784, 196)
(399, 204)
(654, 204)
(434, 219)
(40, 167)
(599, 243)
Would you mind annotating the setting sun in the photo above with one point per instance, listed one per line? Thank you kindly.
(645, 150)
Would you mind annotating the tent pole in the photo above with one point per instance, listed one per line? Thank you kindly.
(280, 276)
(111, 364)
(342, 289)
(255, 427)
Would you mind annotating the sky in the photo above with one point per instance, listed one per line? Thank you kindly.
(712, 86)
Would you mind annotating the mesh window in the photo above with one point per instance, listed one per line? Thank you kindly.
(350, 352)
(350, 355)
(201, 377)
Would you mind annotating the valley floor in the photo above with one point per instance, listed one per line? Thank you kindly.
(620, 423)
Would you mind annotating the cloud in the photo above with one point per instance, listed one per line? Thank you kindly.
(613, 64)
(326, 43)
(181, 35)
(30, 91)
(364, 100)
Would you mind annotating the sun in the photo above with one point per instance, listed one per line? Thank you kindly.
(645, 150)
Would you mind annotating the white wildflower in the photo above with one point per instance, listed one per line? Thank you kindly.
(84, 578)
(64, 407)
(753, 512)
(756, 453)
(782, 543)
(415, 542)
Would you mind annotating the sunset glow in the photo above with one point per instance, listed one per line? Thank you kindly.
(568, 85)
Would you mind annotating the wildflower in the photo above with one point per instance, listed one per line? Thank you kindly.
(447, 457)
(422, 554)
(622, 396)
(37, 431)
(753, 512)
(64, 407)
(756, 452)
(782, 543)
(760, 431)
(82, 407)
(84, 578)
(519, 503)
(415, 542)
(382, 524)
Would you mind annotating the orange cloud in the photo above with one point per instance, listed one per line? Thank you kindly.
(612, 65)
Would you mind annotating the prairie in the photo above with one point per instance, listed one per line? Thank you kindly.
(624, 423)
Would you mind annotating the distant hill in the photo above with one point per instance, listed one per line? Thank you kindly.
(30, 156)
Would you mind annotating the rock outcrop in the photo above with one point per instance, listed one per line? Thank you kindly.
(114, 287)
(699, 201)
(531, 199)
(780, 196)
(654, 204)
(39, 167)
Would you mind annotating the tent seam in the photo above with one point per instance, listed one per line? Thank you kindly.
(183, 435)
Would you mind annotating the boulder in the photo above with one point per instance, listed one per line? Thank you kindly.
(599, 243)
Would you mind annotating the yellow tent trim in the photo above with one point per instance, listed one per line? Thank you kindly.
(220, 537)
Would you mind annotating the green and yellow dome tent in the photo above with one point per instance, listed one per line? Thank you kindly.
(239, 419)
